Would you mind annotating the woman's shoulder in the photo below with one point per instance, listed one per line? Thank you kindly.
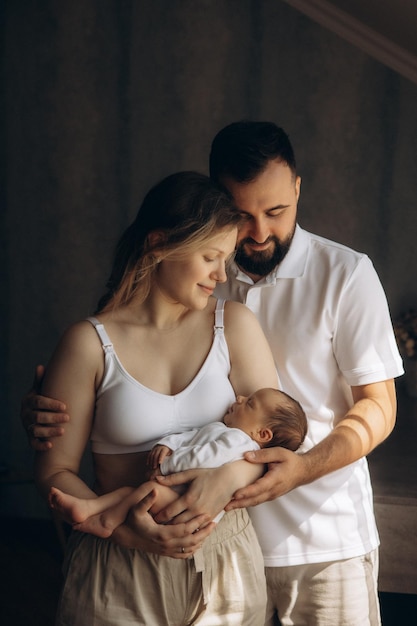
(239, 321)
(78, 354)
(80, 337)
(236, 311)
(81, 328)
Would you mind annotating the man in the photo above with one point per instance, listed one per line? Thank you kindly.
(325, 315)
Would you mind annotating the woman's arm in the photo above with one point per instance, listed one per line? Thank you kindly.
(73, 370)
(73, 374)
(252, 363)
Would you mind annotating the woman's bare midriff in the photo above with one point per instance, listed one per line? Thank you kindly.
(118, 470)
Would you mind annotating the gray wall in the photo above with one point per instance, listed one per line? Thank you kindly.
(105, 97)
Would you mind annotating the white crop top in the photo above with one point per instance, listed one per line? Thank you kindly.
(130, 417)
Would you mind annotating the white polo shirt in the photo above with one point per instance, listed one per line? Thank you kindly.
(326, 318)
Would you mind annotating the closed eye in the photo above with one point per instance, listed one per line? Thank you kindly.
(277, 211)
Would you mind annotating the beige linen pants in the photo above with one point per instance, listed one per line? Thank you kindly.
(223, 584)
(338, 593)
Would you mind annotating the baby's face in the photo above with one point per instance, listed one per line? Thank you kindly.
(249, 412)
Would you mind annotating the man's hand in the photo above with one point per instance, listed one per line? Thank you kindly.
(42, 417)
(286, 470)
(178, 541)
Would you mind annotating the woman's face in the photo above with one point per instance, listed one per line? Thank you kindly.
(192, 280)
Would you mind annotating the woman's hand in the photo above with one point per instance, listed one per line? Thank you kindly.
(209, 490)
(178, 541)
(42, 417)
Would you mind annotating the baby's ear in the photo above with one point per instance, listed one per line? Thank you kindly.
(264, 435)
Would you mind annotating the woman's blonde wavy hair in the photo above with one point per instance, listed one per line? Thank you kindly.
(177, 216)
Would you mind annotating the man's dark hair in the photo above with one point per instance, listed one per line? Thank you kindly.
(242, 150)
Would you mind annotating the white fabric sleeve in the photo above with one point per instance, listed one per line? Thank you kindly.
(228, 447)
(176, 440)
(364, 342)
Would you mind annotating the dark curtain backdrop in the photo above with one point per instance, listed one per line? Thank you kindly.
(102, 98)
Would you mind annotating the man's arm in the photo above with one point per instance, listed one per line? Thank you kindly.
(368, 423)
(42, 417)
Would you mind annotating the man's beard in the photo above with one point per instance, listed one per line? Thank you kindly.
(261, 263)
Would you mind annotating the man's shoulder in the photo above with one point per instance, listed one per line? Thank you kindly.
(331, 244)
(335, 251)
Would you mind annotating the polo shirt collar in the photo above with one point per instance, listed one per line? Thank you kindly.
(292, 266)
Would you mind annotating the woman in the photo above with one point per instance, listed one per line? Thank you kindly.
(147, 365)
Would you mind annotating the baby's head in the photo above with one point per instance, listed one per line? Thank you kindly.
(270, 417)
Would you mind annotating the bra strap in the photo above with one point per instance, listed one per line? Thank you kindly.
(219, 315)
(104, 338)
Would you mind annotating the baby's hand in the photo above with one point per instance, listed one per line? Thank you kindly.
(157, 455)
(152, 474)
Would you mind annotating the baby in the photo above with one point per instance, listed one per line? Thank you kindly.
(267, 418)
